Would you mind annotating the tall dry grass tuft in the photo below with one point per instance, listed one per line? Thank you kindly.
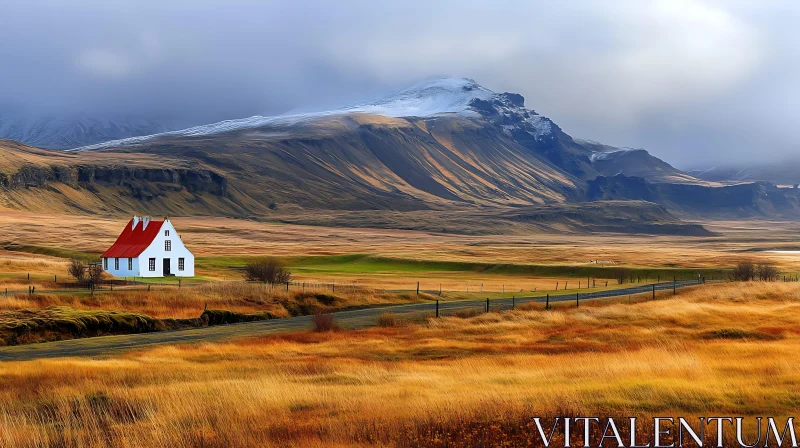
(324, 323)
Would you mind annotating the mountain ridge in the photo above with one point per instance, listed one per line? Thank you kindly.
(442, 145)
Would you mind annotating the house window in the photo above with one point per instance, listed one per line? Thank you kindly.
(152, 265)
(130, 264)
(181, 264)
(167, 245)
(166, 233)
(105, 264)
(116, 264)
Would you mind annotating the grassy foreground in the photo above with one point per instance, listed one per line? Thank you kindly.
(721, 350)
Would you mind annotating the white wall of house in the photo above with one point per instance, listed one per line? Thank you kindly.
(157, 250)
(110, 266)
(178, 257)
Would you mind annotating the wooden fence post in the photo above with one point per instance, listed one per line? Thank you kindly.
(566, 284)
(417, 288)
(547, 303)
(487, 304)
(556, 286)
(674, 286)
(287, 285)
(654, 292)
(437, 309)
(577, 300)
(513, 303)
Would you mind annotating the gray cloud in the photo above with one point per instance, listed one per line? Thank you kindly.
(696, 82)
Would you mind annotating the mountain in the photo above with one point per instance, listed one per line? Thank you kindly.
(67, 132)
(443, 154)
(633, 162)
(784, 173)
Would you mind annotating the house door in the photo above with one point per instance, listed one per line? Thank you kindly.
(166, 267)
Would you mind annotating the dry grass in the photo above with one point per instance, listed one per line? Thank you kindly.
(240, 297)
(458, 379)
(210, 236)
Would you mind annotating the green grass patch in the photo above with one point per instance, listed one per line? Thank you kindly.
(368, 264)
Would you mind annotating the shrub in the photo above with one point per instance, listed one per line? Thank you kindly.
(324, 323)
(767, 272)
(267, 269)
(95, 272)
(744, 271)
(76, 269)
(387, 320)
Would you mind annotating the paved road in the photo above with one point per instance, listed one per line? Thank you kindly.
(110, 345)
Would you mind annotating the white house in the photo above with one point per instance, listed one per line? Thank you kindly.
(148, 248)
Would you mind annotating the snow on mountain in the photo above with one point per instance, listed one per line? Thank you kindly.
(430, 98)
(606, 155)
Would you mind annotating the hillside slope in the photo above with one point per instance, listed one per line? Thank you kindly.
(445, 145)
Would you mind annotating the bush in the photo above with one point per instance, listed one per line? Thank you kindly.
(76, 269)
(767, 272)
(267, 269)
(387, 320)
(95, 272)
(324, 323)
(745, 271)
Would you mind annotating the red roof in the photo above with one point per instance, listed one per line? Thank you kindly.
(132, 242)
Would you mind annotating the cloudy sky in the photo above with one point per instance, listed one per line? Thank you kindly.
(696, 82)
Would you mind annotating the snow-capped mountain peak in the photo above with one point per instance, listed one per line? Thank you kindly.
(430, 98)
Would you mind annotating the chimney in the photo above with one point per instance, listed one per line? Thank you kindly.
(135, 221)
(145, 222)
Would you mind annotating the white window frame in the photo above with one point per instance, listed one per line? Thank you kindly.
(152, 264)
(167, 245)
(130, 264)
(166, 233)
(181, 263)
(116, 264)
(105, 264)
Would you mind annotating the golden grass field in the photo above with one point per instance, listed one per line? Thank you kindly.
(719, 349)
(716, 350)
(211, 237)
(214, 236)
